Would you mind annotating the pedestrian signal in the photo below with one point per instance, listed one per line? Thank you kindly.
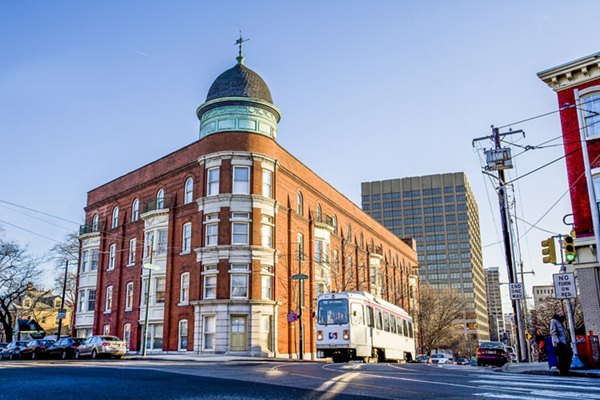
(569, 246)
(549, 251)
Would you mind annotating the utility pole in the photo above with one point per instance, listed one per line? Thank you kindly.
(61, 312)
(499, 159)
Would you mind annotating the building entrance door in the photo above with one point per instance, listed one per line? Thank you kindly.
(239, 334)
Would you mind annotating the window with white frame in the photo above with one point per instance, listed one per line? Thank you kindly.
(209, 328)
(590, 108)
(129, 296)
(184, 293)
(300, 205)
(160, 199)
(211, 227)
(319, 213)
(319, 247)
(267, 183)
(240, 228)
(91, 300)
(212, 183)
(85, 260)
(148, 243)
(183, 335)
(144, 293)
(155, 336)
(239, 281)
(267, 231)
(115, 217)
(188, 195)
(210, 286)
(241, 180)
(135, 210)
(161, 243)
(186, 243)
(94, 260)
(127, 335)
(112, 252)
(108, 303)
(81, 305)
(159, 290)
(95, 223)
(106, 330)
(267, 282)
(131, 257)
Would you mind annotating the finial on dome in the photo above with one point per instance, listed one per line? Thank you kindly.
(240, 58)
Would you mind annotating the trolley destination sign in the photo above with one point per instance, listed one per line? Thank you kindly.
(564, 285)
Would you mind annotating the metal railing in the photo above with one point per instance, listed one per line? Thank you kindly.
(156, 204)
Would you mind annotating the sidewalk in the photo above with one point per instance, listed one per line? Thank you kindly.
(541, 368)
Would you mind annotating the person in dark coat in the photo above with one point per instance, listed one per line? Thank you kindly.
(561, 342)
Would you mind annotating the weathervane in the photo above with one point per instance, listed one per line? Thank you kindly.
(239, 42)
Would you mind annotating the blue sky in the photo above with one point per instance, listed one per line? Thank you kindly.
(368, 90)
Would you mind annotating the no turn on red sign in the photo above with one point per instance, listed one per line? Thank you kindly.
(564, 286)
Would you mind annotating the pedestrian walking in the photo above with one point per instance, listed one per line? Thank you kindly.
(561, 342)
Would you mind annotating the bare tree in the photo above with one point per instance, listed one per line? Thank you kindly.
(17, 271)
(439, 314)
(59, 254)
(539, 317)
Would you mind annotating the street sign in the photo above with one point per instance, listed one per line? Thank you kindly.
(62, 315)
(564, 286)
(517, 291)
(299, 276)
(153, 267)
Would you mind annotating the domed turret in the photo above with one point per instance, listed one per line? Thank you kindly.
(238, 100)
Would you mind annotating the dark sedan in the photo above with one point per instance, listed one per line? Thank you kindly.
(13, 350)
(36, 349)
(492, 353)
(64, 348)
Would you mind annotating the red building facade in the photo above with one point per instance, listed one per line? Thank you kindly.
(205, 240)
(577, 85)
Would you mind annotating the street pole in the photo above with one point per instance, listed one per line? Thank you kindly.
(62, 301)
(576, 362)
(145, 344)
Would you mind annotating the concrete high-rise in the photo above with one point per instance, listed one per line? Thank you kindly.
(441, 213)
(494, 302)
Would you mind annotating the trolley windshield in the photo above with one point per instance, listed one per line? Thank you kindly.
(334, 311)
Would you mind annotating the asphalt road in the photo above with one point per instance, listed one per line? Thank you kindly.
(148, 379)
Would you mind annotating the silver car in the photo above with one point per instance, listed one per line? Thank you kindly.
(98, 346)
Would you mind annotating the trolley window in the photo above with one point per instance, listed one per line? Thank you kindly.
(357, 314)
(378, 320)
(392, 324)
(410, 329)
(334, 311)
(400, 329)
(405, 328)
(386, 322)
(370, 323)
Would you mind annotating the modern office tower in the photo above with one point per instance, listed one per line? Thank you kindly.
(440, 213)
(494, 302)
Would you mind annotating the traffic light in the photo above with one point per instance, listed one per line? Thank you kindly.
(549, 251)
(569, 246)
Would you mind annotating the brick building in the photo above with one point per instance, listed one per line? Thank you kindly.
(225, 223)
(577, 85)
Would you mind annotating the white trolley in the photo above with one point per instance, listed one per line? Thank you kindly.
(356, 325)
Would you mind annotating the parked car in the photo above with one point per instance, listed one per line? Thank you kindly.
(512, 353)
(64, 348)
(423, 359)
(492, 353)
(36, 348)
(13, 350)
(98, 346)
(440, 359)
(462, 361)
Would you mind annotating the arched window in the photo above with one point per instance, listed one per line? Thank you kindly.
(115, 217)
(135, 210)
(188, 196)
(95, 223)
(319, 213)
(160, 199)
(362, 241)
(335, 227)
(300, 209)
(349, 233)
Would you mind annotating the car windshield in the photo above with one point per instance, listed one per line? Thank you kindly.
(334, 311)
(492, 345)
(438, 356)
